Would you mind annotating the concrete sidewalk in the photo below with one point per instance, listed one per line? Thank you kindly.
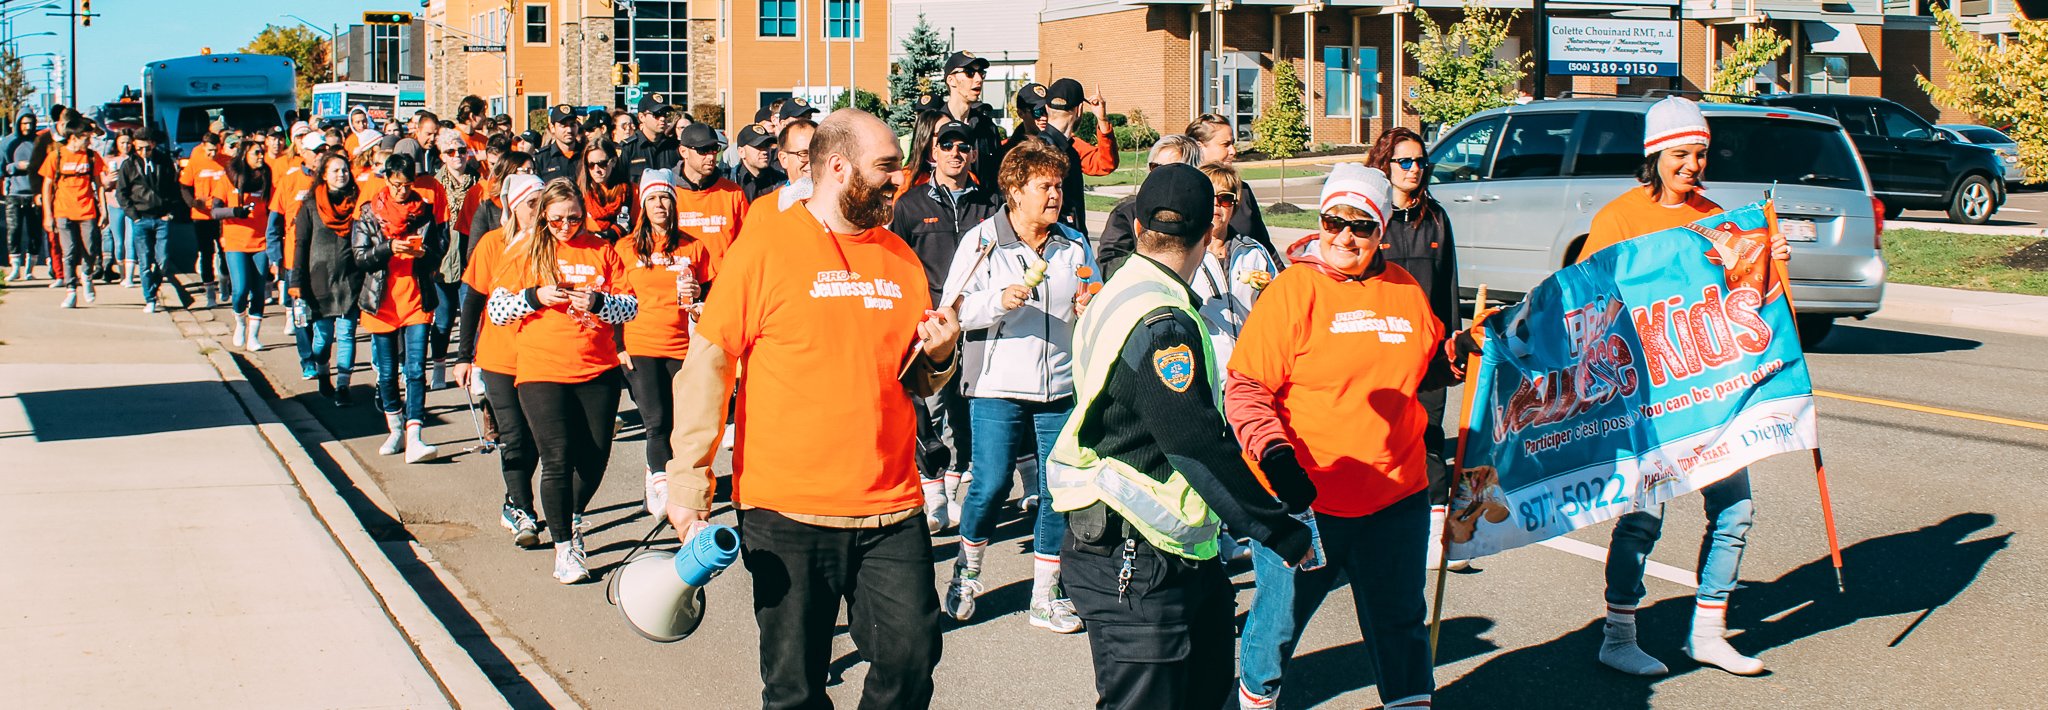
(163, 555)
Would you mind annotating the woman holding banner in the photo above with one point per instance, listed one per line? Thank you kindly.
(1675, 147)
(1323, 389)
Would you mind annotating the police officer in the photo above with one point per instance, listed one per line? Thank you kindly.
(1064, 103)
(964, 75)
(756, 172)
(558, 159)
(1146, 470)
(654, 145)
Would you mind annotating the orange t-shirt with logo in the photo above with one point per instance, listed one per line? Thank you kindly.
(820, 324)
(713, 214)
(243, 235)
(76, 177)
(1637, 212)
(402, 306)
(495, 351)
(553, 344)
(1345, 359)
(661, 329)
(198, 174)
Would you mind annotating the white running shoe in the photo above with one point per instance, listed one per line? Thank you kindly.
(70, 300)
(255, 328)
(241, 335)
(657, 493)
(577, 523)
(150, 307)
(415, 449)
(1056, 615)
(525, 532)
(960, 593)
(570, 565)
(90, 295)
(396, 441)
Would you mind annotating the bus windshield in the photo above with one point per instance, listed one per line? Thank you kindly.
(193, 121)
(122, 111)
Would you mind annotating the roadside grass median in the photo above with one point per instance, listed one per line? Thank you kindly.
(1131, 171)
(1305, 219)
(2006, 264)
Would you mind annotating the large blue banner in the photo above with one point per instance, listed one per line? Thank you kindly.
(1650, 370)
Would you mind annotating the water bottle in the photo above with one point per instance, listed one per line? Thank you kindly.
(301, 314)
(1315, 559)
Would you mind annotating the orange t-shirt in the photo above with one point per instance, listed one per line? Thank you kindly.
(553, 344)
(430, 187)
(288, 192)
(1636, 213)
(1345, 359)
(713, 214)
(820, 324)
(661, 329)
(76, 177)
(368, 184)
(198, 174)
(495, 351)
(241, 234)
(476, 141)
(401, 306)
(768, 203)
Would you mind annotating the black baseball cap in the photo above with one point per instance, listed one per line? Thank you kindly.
(698, 135)
(797, 107)
(964, 60)
(1064, 95)
(927, 102)
(1184, 194)
(532, 138)
(763, 115)
(654, 103)
(562, 113)
(1032, 94)
(953, 128)
(752, 136)
(596, 121)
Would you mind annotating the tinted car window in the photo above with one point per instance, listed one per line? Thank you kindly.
(1983, 135)
(1899, 124)
(1462, 157)
(1799, 152)
(1534, 146)
(1610, 145)
(1855, 119)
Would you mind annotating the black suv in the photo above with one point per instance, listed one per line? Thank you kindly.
(1911, 164)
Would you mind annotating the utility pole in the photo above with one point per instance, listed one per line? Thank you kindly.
(1542, 75)
(73, 63)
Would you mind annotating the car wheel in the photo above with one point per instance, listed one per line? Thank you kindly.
(1813, 329)
(1972, 201)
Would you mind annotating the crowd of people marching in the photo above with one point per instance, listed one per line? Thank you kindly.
(888, 332)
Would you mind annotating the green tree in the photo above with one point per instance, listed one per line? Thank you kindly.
(866, 101)
(2002, 85)
(916, 74)
(1282, 130)
(15, 88)
(307, 49)
(1739, 67)
(1458, 70)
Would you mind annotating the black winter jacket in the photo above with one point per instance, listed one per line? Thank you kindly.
(325, 278)
(153, 195)
(1419, 240)
(928, 218)
(370, 255)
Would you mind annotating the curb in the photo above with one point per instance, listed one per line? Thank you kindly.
(2000, 312)
(446, 658)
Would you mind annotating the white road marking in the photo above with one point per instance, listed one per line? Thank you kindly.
(1597, 553)
(2016, 209)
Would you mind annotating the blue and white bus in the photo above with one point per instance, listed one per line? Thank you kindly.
(184, 96)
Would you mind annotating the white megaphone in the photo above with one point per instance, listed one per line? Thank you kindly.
(661, 594)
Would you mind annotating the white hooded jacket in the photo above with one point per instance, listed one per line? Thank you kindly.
(1027, 352)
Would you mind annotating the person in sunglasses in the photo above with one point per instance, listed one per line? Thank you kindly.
(1064, 103)
(964, 76)
(1418, 239)
(1031, 119)
(1322, 389)
(708, 207)
(565, 141)
(755, 172)
(653, 145)
(794, 155)
(1234, 271)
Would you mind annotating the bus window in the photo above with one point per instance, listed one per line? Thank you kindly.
(193, 121)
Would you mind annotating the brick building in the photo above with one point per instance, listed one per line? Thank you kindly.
(557, 51)
(1156, 54)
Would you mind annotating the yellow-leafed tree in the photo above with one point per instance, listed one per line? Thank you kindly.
(2003, 86)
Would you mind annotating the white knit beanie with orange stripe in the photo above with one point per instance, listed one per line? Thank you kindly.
(1671, 123)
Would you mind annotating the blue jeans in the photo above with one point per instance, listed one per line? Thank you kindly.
(384, 354)
(1382, 554)
(115, 244)
(246, 274)
(324, 335)
(1729, 516)
(152, 251)
(997, 426)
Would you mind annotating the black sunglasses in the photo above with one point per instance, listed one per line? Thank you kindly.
(1226, 199)
(970, 71)
(950, 146)
(1359, 227)
(600, 163)
(1037, 112)
(1408, 163)
(704, 150)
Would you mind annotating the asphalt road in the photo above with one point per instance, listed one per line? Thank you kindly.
(1944, 605)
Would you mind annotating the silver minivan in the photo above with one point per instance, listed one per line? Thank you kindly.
(1521, 185)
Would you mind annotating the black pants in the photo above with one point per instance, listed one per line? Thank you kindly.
(572, 431)
(652, 382)
(801, 573)
(1433, 439)
(1168, 640)
(24, 229)
(516, 457)
(206, 238)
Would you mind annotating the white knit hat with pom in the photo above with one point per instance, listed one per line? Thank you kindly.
(1671, 123)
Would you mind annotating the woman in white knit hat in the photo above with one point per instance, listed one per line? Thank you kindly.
(1675, 145)
(1322, 389)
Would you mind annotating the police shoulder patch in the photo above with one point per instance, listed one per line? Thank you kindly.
(1176, 367)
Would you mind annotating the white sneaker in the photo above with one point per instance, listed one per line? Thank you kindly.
(255, 327)
(415, 449)
(241, 335)
(1056, 615)
(570, 565)
(657, 493)
(90, 295)
(70, 300)
(150, 307)
(396, 441)
(525, 531)
(577, 523)
(960, 594)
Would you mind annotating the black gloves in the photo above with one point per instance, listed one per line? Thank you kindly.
(1290, 483)
(1463, 346)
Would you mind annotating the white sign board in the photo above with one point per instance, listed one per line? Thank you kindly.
(1604, 47)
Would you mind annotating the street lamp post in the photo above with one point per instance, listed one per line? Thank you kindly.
(333, 45)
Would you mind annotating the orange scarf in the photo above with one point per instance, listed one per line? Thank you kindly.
(337, 216)
(399, 215)
(602, 205)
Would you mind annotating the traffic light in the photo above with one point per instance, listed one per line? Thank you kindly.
(633, 74)
(85, 12)
(387, 18)
(619, 74)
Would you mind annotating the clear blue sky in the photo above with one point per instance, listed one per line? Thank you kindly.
(129, 33)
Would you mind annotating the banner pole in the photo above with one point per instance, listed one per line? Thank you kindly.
(1781, 276)
(1472, 365)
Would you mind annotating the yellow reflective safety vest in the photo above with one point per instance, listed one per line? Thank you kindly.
(1170, 514)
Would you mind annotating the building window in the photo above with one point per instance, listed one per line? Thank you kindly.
(536, 24)
(656, 37)
(842, 19)
(1369, 81)
(778, 18)
(1337, 73)
(537, 102)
